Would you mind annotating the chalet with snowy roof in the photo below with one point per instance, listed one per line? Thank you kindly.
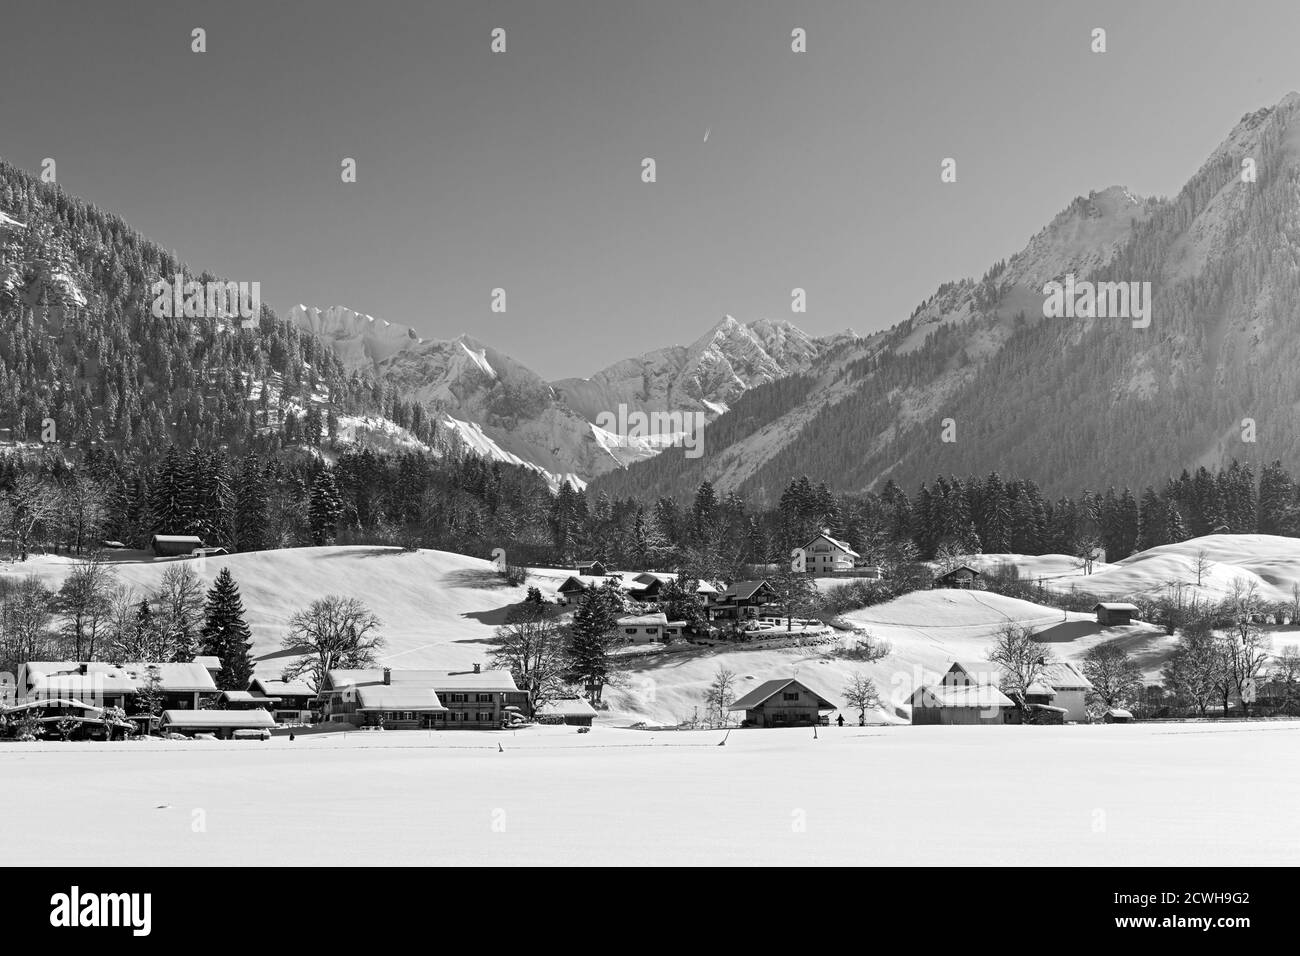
(422, 699)
(783, 702)
(180, 686)
(962, 576)
(1114, 613)
(827, 555)
(742, 600)
(173, 545)
(592, 569)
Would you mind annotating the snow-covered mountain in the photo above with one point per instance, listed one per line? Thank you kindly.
(502, 409)
(1073, 403)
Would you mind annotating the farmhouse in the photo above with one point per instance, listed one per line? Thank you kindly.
(826, 555)
(181, 686)
(171, 545)
(960, 704)
(1059, 693)
(742, 600)
(421, 699)
(1114, 614)
(223, 723)
(962, 576)
(784, 702)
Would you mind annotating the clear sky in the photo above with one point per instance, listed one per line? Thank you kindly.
(522, 170)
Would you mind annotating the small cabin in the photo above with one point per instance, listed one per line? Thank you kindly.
(962, 576)
(172, 545)
(1114, 614)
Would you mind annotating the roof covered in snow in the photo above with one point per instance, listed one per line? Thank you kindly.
(222, 719)
(439, 681)
(45, 677)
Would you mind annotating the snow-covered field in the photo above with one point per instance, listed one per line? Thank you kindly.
(1271, 562)
(1175, 794)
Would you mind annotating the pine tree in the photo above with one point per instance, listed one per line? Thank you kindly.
(324, 507)
(591, 637)
(250, 507)
(1276, 497)
(167, 496)
(225, 634)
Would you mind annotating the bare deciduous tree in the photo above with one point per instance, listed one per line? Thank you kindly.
(719, 696)
(335, 632)
(531, 648)
(1021, 659)
(1115, 677)
(861, 693)
(85, 601)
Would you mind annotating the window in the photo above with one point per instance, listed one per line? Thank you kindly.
(486, 698)
(456, 698)
(459, 717)
(629, 630)
(485, 716)
(790, 695)
(652, 630)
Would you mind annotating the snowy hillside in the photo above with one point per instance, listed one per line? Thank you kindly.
(1270, 562)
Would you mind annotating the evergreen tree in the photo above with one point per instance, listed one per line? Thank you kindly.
(324, 507)
(250, 506)
(225, 634)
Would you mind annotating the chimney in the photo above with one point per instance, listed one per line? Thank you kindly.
(478, 668)
(388, 675)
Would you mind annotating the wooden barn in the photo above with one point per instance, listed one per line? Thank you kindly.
(1114, 614)
(171, 545)
(962, 576)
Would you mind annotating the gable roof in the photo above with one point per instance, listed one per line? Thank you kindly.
(568, 707)
(246, 697)
(273, 687)
(743, 590)
(400, 697)
(770, 688)
(46, 677)
(961, 567)
(838, 544)
(436, 681)
(1064, 675)
(965, 695)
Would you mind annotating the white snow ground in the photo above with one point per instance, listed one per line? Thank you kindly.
(1103, 795)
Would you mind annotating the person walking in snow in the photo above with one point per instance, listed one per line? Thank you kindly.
(840, 720)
